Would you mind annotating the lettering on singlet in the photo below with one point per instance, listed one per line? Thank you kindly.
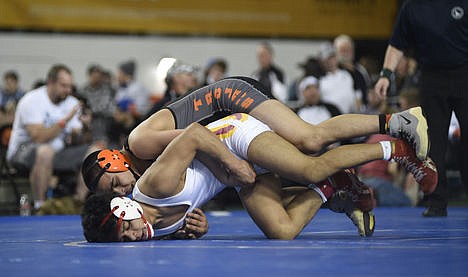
(230, 95)
(237, 98)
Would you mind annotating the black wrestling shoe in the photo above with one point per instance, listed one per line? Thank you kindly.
(364, 221)
(341, 202)
(435, 212)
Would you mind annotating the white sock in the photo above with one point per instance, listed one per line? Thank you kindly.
(387, 149)
(317, 190)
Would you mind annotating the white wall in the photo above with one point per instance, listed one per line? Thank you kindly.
(31, 55)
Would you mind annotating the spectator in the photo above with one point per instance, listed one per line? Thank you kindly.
(180, 79)
(314, 110)
(215, 70)
(345, 51)
(46, 134)
(108, 78)
(372, 66)
(100, 99)
(311, 67)
(269, 74)
(409, 98)
(376, 105)
(10, 94)
(131, 95)
(132, 99)
(337, 86)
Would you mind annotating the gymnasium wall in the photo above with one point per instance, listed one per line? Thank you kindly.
(265, 18)
(32, 54)
(38, 33)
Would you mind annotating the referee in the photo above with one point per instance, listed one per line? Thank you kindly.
(437, 33)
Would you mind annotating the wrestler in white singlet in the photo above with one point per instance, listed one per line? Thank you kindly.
(236, 132)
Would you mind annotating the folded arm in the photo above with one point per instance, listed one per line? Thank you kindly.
(163, 177)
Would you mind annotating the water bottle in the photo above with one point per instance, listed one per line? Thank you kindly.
(25, 206)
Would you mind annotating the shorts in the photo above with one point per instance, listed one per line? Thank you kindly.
(67, 159)
(237, 132)
(227, 96)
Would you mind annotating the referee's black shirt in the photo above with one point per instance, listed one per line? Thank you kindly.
(437, 31)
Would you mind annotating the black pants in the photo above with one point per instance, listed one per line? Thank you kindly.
(444, 91)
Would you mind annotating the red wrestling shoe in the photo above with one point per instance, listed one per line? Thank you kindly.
(347, 185)
(347, 194)
(424, 172)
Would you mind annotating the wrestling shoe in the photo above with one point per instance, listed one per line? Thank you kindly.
(357, 195)
(411, 125)
(352, 197)
(364, 221)
(341, 202)
(424, 172)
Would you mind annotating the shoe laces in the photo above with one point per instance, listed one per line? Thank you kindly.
(404, 134)
(411, 166)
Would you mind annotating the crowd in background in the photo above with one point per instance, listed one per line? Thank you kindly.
(333, 82)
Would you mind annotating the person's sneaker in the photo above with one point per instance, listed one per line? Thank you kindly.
(364, 221)
(424, 172)
(411, 125)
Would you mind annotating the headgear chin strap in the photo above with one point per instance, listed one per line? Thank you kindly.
(111, 160)
(125, 208)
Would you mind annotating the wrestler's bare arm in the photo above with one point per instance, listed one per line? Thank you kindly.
(152, 144)
(149, 138)
(162, 179)
(223, 174)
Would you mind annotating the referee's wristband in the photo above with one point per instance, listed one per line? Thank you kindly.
(386, 73)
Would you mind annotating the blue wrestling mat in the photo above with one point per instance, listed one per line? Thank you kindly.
(404, 244)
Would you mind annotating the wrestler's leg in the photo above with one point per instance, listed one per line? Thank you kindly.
(313, 138)
(245, 95)
(279, 214)
(274, 153)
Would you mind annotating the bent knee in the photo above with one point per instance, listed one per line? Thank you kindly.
(310, 142)
(285, 233)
